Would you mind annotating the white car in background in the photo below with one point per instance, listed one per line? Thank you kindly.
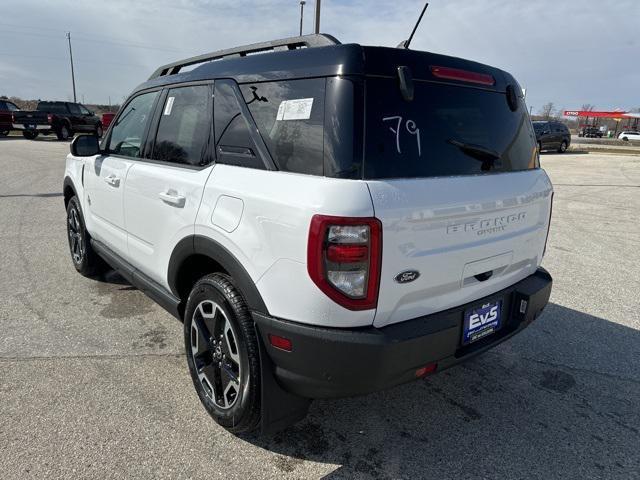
(629, 135)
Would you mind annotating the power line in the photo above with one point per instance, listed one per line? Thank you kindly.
(76, 60)
(87, 39)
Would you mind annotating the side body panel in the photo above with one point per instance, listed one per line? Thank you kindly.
(104, 180)
(160, 206)
(263, 217)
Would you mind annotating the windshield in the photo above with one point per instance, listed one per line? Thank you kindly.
(446, 130)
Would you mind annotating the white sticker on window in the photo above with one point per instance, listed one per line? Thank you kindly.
(298, 109)
(169, 105)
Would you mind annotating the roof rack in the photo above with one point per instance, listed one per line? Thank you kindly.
(292, 43)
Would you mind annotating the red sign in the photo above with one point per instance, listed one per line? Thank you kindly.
(593, 114)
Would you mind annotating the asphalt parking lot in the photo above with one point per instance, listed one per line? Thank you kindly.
(94, 384)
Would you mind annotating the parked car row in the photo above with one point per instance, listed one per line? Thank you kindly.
(63, 119)
(590, 132)
(552, 136)
(629, 135)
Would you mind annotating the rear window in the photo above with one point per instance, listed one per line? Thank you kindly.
(53, 107)
(446, 130)
(290, 117)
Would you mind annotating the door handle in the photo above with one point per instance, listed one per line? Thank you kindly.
(112, 180)
(172, 198)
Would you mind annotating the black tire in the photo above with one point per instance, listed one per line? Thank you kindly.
(626, 139)
(29, 135)
(215, 358)
(84, 258)
(99, 131)
(563, 147)
(63, 132)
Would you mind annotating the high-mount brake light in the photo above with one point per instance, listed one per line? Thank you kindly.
(344, 258)
(449, 73)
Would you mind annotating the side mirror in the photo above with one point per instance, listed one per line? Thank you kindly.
(85, 146)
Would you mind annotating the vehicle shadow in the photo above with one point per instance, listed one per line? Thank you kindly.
(39, 138)
(555, 401)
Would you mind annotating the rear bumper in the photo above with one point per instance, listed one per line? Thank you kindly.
(333, 362)
(30, 127)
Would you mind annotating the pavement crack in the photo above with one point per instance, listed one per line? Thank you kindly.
(98, 357)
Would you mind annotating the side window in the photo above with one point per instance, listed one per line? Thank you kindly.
(74, 109)
(11, 107)
(290, 117)
(129, 127)
(185, 126)
(84, 110)
(234, 145)
(3, 105)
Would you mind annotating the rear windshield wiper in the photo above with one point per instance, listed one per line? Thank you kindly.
(484, 154)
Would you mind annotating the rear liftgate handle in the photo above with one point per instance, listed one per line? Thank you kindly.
(173, 198)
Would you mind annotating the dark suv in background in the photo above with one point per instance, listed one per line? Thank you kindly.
(60, 118)
(552, 136)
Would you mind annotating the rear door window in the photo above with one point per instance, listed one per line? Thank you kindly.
(56, 107)
(446, 130)
(74, 109)
(185, 126)
(290, 118)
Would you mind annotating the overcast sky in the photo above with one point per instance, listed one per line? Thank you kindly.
(568, 52)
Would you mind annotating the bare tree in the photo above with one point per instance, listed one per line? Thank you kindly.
(547, 110)
(588, 107)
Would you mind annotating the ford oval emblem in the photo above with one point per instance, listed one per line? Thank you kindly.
(407, 276)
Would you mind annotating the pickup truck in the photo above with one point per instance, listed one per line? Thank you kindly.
(60, 118)
(6, 110)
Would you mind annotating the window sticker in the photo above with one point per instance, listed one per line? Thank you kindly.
(169, 105)
(298, 109)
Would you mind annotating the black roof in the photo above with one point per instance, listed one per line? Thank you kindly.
(322, 56)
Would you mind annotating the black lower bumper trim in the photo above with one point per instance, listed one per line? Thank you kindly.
(334, 362)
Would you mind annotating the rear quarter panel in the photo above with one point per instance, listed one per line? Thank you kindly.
(263, 217)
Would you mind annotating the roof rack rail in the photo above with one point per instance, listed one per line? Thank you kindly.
(292, 43)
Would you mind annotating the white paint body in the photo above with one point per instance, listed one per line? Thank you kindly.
(629, 135)
(262, 218)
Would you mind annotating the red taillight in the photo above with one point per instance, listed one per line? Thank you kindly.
(462, 75)
(280, 342)
(344, 257)
(49, 118)
(13, 118)
(347, 253)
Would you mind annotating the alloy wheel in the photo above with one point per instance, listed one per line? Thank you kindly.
(76, 242)
(216, 356)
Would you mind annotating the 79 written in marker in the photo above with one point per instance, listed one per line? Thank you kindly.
(410, 127)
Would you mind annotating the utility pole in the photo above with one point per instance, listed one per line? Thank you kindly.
(317, 16)
(302, 2)
(73, 77)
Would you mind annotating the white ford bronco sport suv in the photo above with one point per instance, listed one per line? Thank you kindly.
(327, 220)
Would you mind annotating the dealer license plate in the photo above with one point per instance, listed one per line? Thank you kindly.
(481, 321)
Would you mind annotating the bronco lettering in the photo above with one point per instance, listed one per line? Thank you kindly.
(487, 225)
